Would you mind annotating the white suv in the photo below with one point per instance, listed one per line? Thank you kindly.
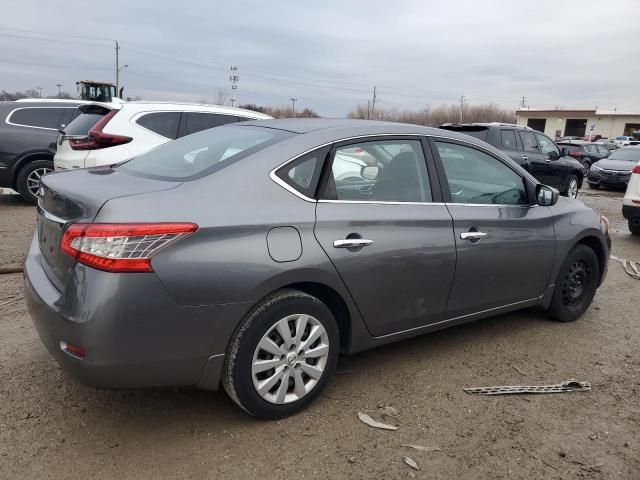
(104, 134)
(631, 202)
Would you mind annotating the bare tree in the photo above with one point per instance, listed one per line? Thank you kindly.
(283, 111)
(223, 96)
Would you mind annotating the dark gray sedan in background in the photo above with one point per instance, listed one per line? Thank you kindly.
(252, 255)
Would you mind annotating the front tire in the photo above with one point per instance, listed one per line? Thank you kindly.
(573, 186)
(282, 355)
(28, 179)
(586, 165)
(576, 285)
(634, 225)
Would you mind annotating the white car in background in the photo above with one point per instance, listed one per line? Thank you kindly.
(631, 201)
(104, 134)
(622, 141)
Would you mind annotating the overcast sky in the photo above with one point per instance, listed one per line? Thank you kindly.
(330, 54)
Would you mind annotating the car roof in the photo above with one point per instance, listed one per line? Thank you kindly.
(355, 126)
(143, 106)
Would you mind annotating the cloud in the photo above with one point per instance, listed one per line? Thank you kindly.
(330, 54)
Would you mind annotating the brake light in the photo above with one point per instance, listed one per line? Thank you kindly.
(636, 169)
(575, 154)
(121, 247)
(97, 139)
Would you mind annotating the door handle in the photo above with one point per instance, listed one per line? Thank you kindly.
(472, 235)
(525, 158)
(352, 243)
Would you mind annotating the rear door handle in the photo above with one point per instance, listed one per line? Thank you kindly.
(352, 243)
(525, 158)
(472, 235)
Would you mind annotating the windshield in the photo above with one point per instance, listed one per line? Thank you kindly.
(627, 154)
(202, 153)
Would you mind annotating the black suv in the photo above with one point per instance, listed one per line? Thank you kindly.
(28, 132)
(532, 150)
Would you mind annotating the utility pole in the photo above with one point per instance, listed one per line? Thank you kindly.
(233, 78)
(59, 85)
(117, 68)
(461, 107)
(39, 91)
(368, 109)
(293, 107)
(426, 115)
(523, 104)
(373, 103)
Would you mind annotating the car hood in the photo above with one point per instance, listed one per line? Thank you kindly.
(609, 164)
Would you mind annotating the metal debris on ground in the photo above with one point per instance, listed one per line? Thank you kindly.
(373, 423)
(631, 268)
(568, 386)
(420, 448)
(411, 462)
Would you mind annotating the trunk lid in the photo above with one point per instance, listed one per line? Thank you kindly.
(77, 197)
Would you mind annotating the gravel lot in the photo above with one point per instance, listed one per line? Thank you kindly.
(51, 427)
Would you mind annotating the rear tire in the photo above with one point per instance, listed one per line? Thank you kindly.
(634, 225)
(260, 359)
(28, 179)
(576, 285)
(586, 165)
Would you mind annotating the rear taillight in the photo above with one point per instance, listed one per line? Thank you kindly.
(121, 247)
(97, 139)
(575, 154)
(636, 169)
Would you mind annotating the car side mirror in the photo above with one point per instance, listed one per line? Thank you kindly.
(564, 152)
(553, 155)
(369, 173)
(546, 196)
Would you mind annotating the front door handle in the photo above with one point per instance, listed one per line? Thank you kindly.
(525, 158)
(472, 235)
(352, 243)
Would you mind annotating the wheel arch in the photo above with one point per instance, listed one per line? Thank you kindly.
(595, 244)
(25, 159)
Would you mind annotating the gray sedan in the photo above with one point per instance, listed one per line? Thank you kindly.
(252, 255)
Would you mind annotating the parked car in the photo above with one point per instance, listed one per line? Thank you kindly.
(28, 129)
(608, 143)
(104, 135)
(622, 141)
(585, 152)
(631, 201)
(615, 170)
(533, 151)
(244, 261)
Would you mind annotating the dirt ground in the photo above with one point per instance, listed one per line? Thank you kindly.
(51, 427)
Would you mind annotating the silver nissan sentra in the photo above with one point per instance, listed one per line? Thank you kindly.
(252, 255)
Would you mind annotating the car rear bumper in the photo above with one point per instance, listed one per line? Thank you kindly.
(134, 334)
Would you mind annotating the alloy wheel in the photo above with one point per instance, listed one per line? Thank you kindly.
(573, 188)
(33, 179)
(290, 359)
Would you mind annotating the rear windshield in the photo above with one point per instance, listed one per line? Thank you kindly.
(628, 154)
(475, 131)
(202, 153)
(83, 123)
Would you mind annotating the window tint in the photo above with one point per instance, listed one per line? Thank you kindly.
(83, 123)
(198, 121)
(202, 153)
(478, 178)
(162, 123)
(603, 150)
(379, 171)
(546, 145)
(303, 173)
(528, 141)
(42, 117)
(508, 139)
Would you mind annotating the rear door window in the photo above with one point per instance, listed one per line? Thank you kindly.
(40, 117)
(162, 123)
(198, 121)
(508, 138)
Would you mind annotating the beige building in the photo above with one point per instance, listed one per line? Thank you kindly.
(579, 123)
